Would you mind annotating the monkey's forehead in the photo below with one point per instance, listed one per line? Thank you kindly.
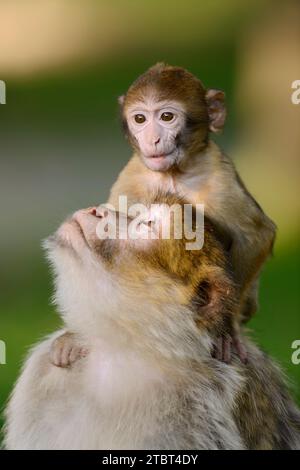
(162, 75)
(156, 95)
(166, 83)
(153, 102)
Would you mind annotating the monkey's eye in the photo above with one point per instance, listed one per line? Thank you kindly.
(139, 118)
(167, 116)
(148, 223)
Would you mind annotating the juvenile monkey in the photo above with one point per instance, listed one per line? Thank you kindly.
(167, 117)
(149, 381)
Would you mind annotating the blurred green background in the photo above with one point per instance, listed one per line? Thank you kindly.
(61, 147)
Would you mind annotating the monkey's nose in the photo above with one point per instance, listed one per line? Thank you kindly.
(101, 212)
(95, 211)
(157, 140)
(89, 210)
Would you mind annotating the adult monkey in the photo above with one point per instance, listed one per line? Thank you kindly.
(167, 117)
(149, 381)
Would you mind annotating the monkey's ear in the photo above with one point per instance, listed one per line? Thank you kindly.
(215, 100)
(121, 100)
(215, 300)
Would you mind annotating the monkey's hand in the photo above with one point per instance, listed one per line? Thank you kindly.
(229, 343)
(65, 350)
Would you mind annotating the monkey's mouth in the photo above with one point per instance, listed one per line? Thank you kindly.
(79, 229)
(69, 234)
(161, 161)
(161, 156)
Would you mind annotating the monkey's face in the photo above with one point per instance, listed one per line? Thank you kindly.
(117, 243)
(136, 271)
(167, 115)
(156, 126)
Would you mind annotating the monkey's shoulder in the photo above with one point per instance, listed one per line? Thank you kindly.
(234, 199)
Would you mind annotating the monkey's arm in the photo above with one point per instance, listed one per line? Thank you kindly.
(221, 300)
(247, 235)
(249, 249)
(252, 233)
(252, 246)
(223, 324)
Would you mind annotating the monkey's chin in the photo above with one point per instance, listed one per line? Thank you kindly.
(70, 235)
(160, 162)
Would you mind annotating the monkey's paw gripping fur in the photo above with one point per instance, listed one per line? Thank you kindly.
(226, 345)
(64, 351)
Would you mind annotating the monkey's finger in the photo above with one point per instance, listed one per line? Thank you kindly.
(77, 353)
(55, 355)
(241, 350)
(83, 352)
(226, 346)
(214, 352)
(65, 356)
(74, 354)
(219, 349)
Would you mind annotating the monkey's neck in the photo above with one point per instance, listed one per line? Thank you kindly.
(200, 162)
(192, 179)
(129, 323)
